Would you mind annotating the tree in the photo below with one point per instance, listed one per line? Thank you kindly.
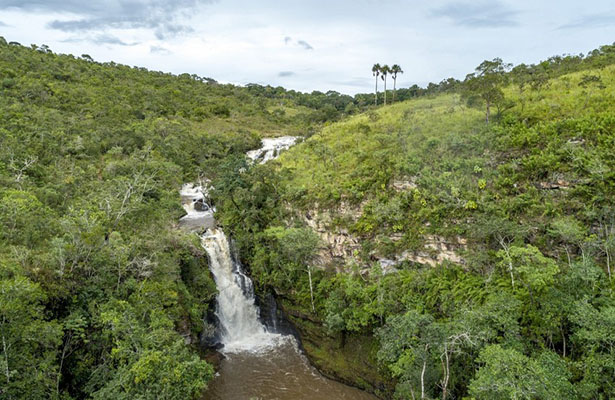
(24, 220)
(376, 72)
(570, 231)
(487, 81)
(508, 374)
(421, 351)
(152, 360)
(395, 69)
(606, 237)
(534, 271)
(385, 70)
(594, 338)
(297, 248)
(28, 343)
(406, 343)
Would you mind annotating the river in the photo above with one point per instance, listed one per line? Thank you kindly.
(280, 373)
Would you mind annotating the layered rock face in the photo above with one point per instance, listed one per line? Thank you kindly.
(340, 248)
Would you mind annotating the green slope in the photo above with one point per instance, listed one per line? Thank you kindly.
(460, 166)
(504, 235)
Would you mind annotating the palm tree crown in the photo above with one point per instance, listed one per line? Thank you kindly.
(395, 69)
(385, 71)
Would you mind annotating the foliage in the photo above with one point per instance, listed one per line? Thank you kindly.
(487, 83)
(28, 341)
(507, 374)
(100, 294)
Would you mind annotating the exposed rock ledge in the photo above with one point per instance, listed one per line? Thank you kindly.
(341, 248)
(436, 251)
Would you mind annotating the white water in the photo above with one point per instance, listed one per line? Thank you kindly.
(239, 328)
(196, 219)
(271, 148)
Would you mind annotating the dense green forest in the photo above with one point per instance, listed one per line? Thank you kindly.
(478, 255)
(101, 295)
(425, 253)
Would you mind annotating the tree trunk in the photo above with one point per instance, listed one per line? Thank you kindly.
(376, 97)
(59, 377)
(423, 379)
(510, 269)
(385, 90)
(563, 340)
(608, 263)
(423, 372)
(394, 88)
(309, 271)
(607, 231)
(510, 265)
(446, 374)
(5, 350)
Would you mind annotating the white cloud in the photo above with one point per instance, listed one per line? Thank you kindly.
(325, 44)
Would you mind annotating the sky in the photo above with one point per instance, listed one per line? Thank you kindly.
(311, 44)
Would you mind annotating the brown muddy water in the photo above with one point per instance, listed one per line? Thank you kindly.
(276, 373)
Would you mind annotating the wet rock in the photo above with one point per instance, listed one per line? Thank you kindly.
(199, 215)
(274, 318)
(200, 205)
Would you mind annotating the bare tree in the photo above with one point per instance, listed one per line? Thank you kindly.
(19, 168)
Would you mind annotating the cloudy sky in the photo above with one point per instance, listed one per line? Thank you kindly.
(311, 44)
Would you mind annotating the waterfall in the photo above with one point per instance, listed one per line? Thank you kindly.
(271, 148)
(239, 326)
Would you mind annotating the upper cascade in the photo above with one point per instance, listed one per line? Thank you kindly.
(199, 213)
(271, 148)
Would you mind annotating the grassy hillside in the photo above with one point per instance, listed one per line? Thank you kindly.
(100, 295)
(502, 236)
(462, 167)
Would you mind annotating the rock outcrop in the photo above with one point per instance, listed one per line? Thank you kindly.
(341, 248)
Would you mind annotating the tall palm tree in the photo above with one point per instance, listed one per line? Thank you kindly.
(385, 71)
(395, 69)
(376, 72)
